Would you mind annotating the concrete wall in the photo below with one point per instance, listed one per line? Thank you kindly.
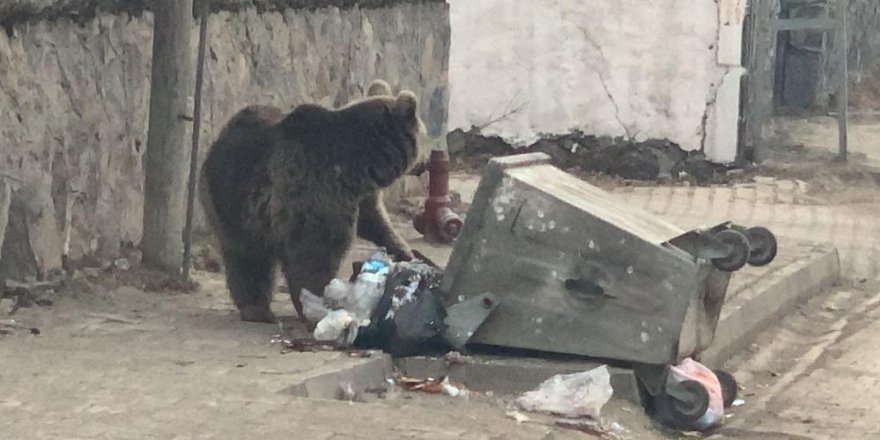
(74, 100)
(665, 69)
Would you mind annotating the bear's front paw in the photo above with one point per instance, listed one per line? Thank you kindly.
(257, 314)
(419, 169)
(403, 255)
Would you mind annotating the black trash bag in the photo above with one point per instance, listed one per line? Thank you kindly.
(419, 326)
(409, 319)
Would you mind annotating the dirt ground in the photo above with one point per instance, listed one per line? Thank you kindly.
(125, 355)
(104, 360)
(101, 359)
(814, 375)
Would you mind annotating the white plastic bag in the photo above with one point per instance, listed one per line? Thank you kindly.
(690, 369)
(313, 306)
(364, 296)
(570, 395)
(338, 326)
(336, 293)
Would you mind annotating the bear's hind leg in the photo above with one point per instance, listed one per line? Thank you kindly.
(373, 225)
(250, 283)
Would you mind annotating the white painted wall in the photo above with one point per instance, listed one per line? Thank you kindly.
(633, 68)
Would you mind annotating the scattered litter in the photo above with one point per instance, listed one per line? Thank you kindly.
(364, 354)
(454, 357)
(690, 370)
(518, 416)
(409, 318)
(433, 386)
(570, 395)
(739, 402)
(453, 390)
(338, 326)
(8, 326)
(336, 293)
(428, 385)
(418, 325)
(593, 427)
(347, 392)
(122, 264)
(347, 306)
(386, 305)
(302, 345)
(313, 306)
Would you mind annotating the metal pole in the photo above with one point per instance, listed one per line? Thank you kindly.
(843, 101)
(204, 12)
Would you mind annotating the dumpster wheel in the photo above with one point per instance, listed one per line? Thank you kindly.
(739, 251)
(687, 412)
(729, 388)
(763, 246)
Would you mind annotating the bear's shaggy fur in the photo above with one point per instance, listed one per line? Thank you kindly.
(294, 189)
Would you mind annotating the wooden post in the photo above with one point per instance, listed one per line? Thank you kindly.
(204, 12)
(843, 87)
(166, 159)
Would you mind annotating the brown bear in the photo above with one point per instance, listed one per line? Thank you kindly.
(294, 189)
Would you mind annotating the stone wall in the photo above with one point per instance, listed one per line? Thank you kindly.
(74, 103)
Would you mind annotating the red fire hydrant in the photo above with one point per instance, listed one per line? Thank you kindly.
(438, 222)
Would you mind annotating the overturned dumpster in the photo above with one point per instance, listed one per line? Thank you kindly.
(578, 271)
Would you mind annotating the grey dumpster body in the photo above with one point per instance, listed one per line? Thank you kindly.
(579, 271)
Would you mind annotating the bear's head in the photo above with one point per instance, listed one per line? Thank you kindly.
(381, 88)
(396, 140)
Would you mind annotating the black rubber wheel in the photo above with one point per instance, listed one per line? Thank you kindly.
(739, 254)
(763, 246)
(729, 388)
(686, 412)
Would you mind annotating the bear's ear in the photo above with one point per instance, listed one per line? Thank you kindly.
(407, 108)
(407, 105)
(379, 88)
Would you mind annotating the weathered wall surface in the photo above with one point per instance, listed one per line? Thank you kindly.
(74, 101)
(641, 70)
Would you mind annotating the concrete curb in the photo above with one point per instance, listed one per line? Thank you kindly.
(769, 299)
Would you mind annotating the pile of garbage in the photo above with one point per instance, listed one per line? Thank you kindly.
(392, 306)
(387, 305)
